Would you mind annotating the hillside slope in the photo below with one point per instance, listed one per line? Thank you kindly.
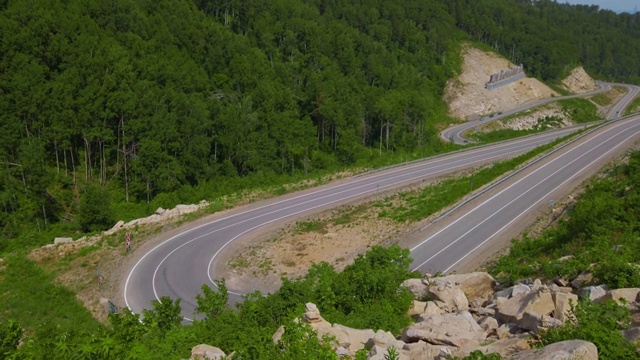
(467, 98)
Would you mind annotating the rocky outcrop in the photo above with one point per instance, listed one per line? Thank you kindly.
(578, 81)
(467, 312)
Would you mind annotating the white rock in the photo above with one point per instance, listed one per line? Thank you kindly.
(62, 240)
(207, 352)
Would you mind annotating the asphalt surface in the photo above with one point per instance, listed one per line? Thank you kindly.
(455, 133)
(180, 265)
(536, 188)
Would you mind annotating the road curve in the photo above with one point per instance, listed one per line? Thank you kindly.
(180, 265)
(455, 133)
(492, 214)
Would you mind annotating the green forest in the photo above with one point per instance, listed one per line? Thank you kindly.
(110, 109)
(141, 104)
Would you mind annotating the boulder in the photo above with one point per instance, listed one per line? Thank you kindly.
(535, 322)
(561, 282)
(450, 294)
(342, 338)
(185, 209)
(115, 228)
(416, 287)
(555, 288)
(446, 329)
(626, 295)
(160, 211)
(632, 335)
(537, 285)
(483, 311)
(62, 240)
(313, 318)
(506, 330)
(477, 286)
(431, 309)
(563, 302)
(417, 308)
(385, 339)
(563, 350)
(594, 293)
(357, 338)
(505, 347)
(421, 350)
(312, 314)
(581, 280)
(520, 289)
(381, 353)
(207, 352)
(511, 310)
(489, 324)
(277, 336)
(506, 293)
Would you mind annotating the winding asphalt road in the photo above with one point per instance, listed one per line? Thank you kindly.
(180, 265)
(533, 189)
(455, 133)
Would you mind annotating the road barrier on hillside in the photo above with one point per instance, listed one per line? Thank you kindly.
(505, 77)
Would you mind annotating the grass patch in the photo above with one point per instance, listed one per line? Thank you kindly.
(602, 99)
(634, 107)
(580, 110)
(29, 296)
(303, 227)
(500, 135)
(349, 216)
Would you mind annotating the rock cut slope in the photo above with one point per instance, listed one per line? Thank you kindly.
(467, 97)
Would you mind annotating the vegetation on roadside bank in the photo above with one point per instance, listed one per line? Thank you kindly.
(634, 107)
(580, 111)
(601, 227)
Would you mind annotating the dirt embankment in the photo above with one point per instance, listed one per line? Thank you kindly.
(467, 96)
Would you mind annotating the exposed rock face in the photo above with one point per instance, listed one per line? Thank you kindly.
(578, 81)
(467, 96)
(207, 352)
(564, 350)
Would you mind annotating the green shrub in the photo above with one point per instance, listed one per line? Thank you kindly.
(599, 323)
